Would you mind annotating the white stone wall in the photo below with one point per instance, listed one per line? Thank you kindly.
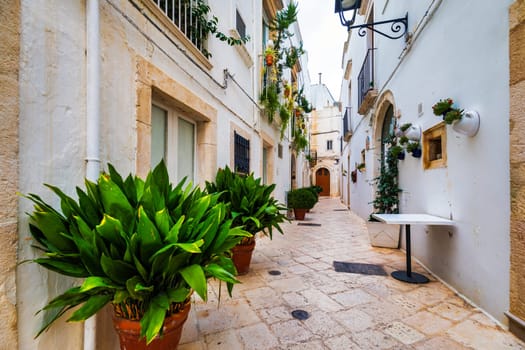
(461, 53)
(53, 110)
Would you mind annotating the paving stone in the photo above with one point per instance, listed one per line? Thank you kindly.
(384, 311)
(478, 336)
(430, 294)
(304, 259)
(322, 301)
(309, 345)
(234, 315)
(298, 269)
(450, 311)
(353, 297)
(291, 332)
(285, 285)
(374, 339)
(403, 333)
(341, 342)
(411, 304)
(323, 324)
(226, 340)
(275, 314)
(257, 337)
(263, 297)
(295, 300)
(440, 343)
(428, 323)
(354, 320)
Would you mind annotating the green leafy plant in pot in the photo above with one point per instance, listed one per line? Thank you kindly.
(143, 246)
(250, 206)
(386, 200)
(300, 200)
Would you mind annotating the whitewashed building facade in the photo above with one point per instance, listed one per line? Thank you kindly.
(121, 82)
(457, 50)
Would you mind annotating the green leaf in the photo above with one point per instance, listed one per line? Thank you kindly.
(115, 202)
(91, 307)
(162, 220)
(194, 276)
(118, 270)
(148, 236)
(93, 282)
(110, 229)
(151, 323)
(53, 229)
(72, 269)
(173, 235)
(220, 273)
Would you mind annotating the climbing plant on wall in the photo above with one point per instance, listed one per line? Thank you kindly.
(278, 96)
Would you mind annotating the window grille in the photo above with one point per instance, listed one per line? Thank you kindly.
(184, 14)
(329, 145)
(241, 154)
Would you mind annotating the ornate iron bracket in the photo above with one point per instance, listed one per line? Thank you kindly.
(398, 28)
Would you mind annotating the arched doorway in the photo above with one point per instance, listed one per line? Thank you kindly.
(387, 130)
(322, 178)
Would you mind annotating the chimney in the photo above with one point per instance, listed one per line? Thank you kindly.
(320, 78)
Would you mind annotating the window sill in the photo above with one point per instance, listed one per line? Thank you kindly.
(242, 50)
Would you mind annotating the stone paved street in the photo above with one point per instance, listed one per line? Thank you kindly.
(347, 311)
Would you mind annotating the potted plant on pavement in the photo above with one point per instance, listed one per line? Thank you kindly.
(386, 201)
(250, 206)
(142, 246)
(300, 200)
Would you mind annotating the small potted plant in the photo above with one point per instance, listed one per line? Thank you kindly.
(405, 127)
(397, 152)
(300, 200)
(414, 148)
(270, 56)
(251, 206)
(141, 246)
(361, 167)
(445, 109)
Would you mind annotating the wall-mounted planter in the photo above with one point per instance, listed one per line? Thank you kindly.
(468, 124)
(416, 153)
(413, 133)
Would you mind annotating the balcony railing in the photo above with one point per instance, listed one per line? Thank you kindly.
(365, 79)
(184, 14)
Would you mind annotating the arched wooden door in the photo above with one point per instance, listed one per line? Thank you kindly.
(322, 178)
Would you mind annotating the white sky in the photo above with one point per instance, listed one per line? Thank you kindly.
(323, 39)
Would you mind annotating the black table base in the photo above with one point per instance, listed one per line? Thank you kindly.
(413, 278)
(408, 275)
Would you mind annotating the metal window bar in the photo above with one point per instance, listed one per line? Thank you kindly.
(181, 14)
(365, 79)
(241, 154)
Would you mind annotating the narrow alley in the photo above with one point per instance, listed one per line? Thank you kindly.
(345, 310)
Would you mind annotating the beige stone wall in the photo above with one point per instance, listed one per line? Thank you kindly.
(10, 56)
(517, 165)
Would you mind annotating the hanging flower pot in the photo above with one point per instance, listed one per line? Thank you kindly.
(416, 153)
(468, 124)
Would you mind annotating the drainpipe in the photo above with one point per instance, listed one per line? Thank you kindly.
(92, 123)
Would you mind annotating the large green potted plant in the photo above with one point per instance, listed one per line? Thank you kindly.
(386, 199)
(142, 246)
(300, 200)
(250, 206)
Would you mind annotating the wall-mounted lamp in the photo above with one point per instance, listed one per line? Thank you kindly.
(398, 27)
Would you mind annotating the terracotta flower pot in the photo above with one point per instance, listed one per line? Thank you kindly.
(269, 60)
(299, 213)
(242, 256)
(129, 332)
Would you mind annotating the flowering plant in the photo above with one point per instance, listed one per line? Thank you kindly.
(444, 108)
